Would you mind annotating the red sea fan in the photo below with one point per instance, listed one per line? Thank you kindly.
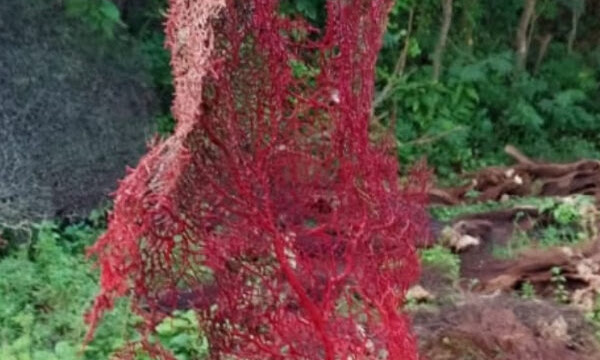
(268, 212)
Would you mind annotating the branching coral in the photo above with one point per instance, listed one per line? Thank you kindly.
(268, 211)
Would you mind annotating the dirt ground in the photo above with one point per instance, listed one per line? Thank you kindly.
(504, 328)
(483, 314)
(463, 323)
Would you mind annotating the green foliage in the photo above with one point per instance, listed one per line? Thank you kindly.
(568, 226)
(559, 282)
(180, 334)
(100, 15)
(527, 290)
(567, 212)
(593, 316)
(166, 124)
(47, 285)
(157, 61)
(45, 288)
(514, 246)
(441, 258)
(149, 32)
(447, 213)
(561, 223)
(312, 10)
(464, 121)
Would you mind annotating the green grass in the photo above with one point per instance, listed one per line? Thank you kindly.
(519, 242)
(447, 213)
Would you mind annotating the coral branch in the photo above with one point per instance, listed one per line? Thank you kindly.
(268, 212)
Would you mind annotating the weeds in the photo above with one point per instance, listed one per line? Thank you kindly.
(513, 247)
(558, 280)
(46, 286)
(593, 316)
(99, 15)
(441, 258)
(527, 290)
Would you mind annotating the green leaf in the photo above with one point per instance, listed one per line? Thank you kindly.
(165, 328)
(110, 11)
(65, 351)
(182, 340)
(76, 7)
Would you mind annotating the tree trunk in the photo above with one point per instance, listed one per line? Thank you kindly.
(438, 54)
(573, 32)
(468, 24)
(400, 65)
(522, 34)
(531, 30)
(544, 43)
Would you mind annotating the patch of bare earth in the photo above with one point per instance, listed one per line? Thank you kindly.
(486, 319)
(504, 328)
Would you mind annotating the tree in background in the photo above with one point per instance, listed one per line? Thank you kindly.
(518, 72)
(440, 47)
(461, 108)
(524, 30)
(269, 212)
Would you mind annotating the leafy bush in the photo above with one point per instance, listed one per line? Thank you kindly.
(483, 102)
(465, 122)
(181, 334)
(441, 258)
(48, 284)
(100, 15)
(45, 288)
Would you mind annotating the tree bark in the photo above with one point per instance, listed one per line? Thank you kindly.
(522, 34)
(573, 32)
(400, 65)
(544, 43)
(404, 54)
(531, 30)
(468, 24)
(438, 54)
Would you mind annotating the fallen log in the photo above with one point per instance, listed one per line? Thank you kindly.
(526, 178)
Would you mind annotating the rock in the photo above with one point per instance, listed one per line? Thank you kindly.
(457, 240)
(418, 294)
(74, 113)
(557, 329)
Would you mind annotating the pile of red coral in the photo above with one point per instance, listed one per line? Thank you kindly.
(268, 212)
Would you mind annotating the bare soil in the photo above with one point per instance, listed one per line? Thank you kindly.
(483, 314)
(504, 328)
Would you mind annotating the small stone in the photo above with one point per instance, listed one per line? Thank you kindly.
(419, 294)
(558, 329)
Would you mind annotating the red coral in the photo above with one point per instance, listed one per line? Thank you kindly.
(268, 211)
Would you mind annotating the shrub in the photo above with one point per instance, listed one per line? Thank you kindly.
(100, 15)
(268, 212)
(442, 259)
(44, 289)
